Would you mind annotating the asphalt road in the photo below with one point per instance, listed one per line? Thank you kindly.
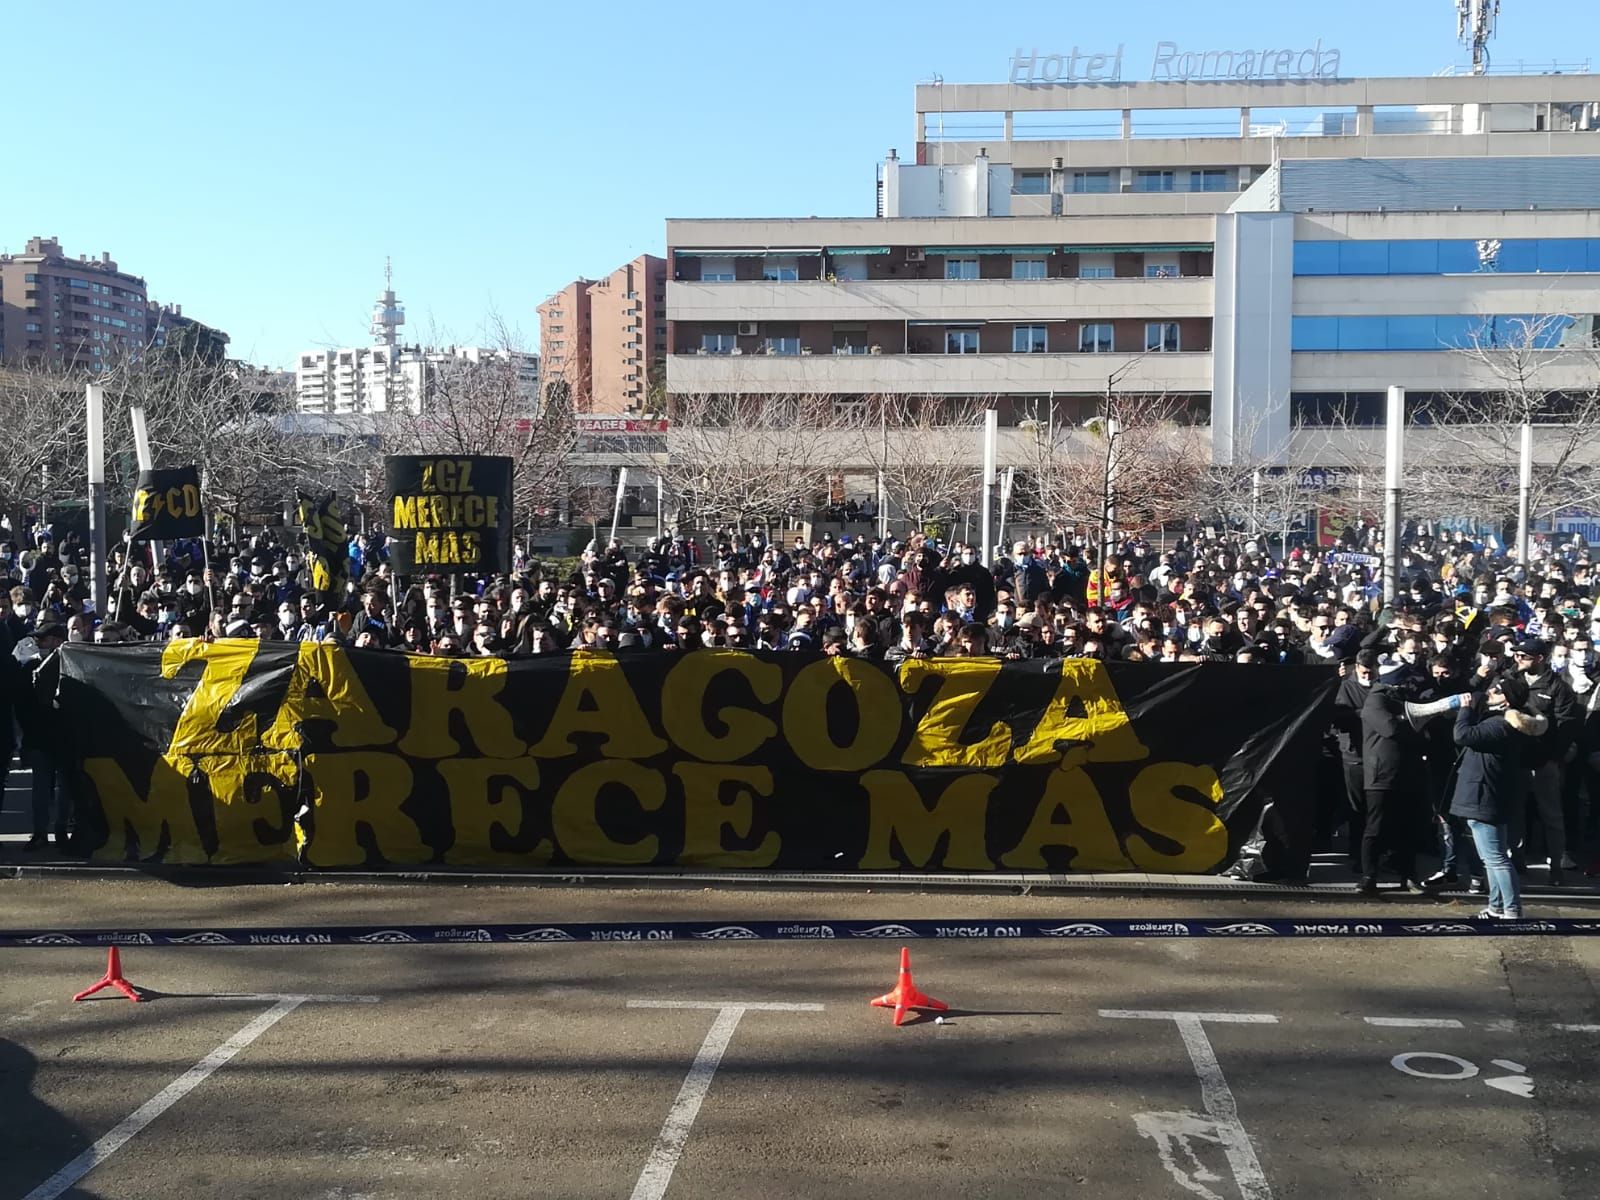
(513, 1071)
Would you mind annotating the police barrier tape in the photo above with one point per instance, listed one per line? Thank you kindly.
(798, 930)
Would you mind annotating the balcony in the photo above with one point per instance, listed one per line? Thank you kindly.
(949, 374)
(1428, 371)
(943, 300)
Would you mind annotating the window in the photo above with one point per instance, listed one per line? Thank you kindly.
(960, 341)
(716, 270)
(850, 340)
(1028, 268)
(780, 345)
(78, 283)
(1160, 270)
(1152, 181)
(1096, 339)
(1209, 180)
(718, 343)
(31, 327)
(782, 269)
(851, 268)
(558, 329)
(1091, 182)
(1030, 183)
(1161, 336)
(1096, 266)
(30, 277)
(960, 268)
(1029, 339)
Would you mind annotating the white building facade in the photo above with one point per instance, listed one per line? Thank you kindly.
(1257, 245)
(376, 379)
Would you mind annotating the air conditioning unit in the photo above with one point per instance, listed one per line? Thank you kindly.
(747, 329)
(916, 255)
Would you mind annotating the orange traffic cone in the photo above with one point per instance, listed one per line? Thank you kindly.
(113, 978)
(905, 996)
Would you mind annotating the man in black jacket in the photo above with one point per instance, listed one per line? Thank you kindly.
(1348, 702)
(1549, 696)
(1395, 803)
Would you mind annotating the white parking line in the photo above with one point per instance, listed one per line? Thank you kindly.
(1579, 1028)
(131, 1125)
(1179, 1130)
(1415, 1022)
(663, 1160)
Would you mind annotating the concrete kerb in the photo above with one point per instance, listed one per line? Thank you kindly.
(996, 883)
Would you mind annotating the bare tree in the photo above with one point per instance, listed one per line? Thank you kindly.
(237, 423)
(1542, 372)
(1137, 465)
(748, 460)
(927, 450)
(43, 414)
(484, 405)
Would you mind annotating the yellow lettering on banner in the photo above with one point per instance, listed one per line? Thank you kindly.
(325, 687)
(350, 789)
(228, 760)
(486, 795)
(897, 812)
(1198, 831)
(877, 715)
(1087, 829)
(1084, 722)
(405, 512)
(598, 700)
(471, 547)
(191, 500)
(142, 505)
(683, 702)
(441, 686)
(706, 814)
(575, 813)
(491, 511)
(963, 683)
(163, 810)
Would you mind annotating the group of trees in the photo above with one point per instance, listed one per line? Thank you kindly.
(1125, 460)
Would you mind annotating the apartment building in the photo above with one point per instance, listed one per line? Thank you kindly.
(382, 378)
(607, 338)
(1211, 240)
(80, 312)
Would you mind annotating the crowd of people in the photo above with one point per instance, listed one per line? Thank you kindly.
(1469, 620)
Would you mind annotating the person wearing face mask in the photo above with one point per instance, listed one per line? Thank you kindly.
(940, 581)
(24, 612)
(1395, 807)
(1549, 696)
(1349, 699)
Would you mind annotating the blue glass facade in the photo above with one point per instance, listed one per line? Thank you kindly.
(1458, 256)
(1426, 333)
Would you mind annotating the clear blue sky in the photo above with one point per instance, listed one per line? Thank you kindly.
(256, 161)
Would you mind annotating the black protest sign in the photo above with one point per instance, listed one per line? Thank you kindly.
(166, 505)
(449, 514)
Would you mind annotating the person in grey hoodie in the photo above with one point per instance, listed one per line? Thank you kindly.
(1496, 745)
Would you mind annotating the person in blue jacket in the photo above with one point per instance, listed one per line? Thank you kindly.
(1495, 747)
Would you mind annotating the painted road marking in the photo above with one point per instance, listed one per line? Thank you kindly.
(1579, 1028)
(1415, 1022)
(1176, 1132)
(663, 1160)
(130, 1126)
(1402, 1063)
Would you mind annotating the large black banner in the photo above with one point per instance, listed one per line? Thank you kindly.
(449, 515)
(205, 752)
(166, 505)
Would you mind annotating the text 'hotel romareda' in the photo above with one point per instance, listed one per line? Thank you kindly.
(1214, 239)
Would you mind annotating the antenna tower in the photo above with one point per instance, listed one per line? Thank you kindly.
(1474, 27)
